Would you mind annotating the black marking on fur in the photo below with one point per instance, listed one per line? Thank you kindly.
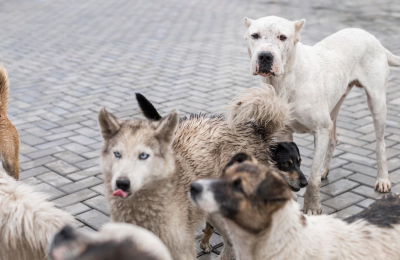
(237, 158)
(147, 108)
(258, 130)
(382, 213)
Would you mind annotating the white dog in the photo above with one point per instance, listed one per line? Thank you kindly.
(316, 80)
(27, 221)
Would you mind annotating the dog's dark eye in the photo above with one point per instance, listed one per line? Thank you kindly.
(282, 37)
(255, 36)
(117, 154)
(143, 156)
(237, 185)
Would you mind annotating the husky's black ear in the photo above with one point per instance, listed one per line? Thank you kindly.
(273, 188)
(166, 129)
(147, 108)
(109, 124)
(239, 158)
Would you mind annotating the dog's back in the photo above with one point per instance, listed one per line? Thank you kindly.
(27, 221)
(9, 140)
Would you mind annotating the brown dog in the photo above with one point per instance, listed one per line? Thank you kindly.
(9, 140)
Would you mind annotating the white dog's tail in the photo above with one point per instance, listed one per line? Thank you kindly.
(393, 60)
(263, 105)
(3, 90)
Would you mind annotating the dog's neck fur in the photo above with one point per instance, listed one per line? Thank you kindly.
(286, 226)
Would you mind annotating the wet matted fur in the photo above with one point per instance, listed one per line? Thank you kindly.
(27, 221)
(114, 241)
(265, 223)
(9, 140)
(197, 148)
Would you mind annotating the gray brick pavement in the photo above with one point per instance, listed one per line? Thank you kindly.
(66, 59)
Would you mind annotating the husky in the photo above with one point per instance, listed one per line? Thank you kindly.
(149, 164)
(265, 223)
(113, 241)
(27, 220)
(9, 140)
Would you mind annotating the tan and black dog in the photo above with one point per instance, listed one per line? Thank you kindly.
(264, 222)
(9, 140)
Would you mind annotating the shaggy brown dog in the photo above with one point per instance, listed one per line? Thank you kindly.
(9, 140)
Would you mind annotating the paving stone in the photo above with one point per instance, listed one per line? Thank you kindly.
(98, 203)
(74, 198)
(357, 158)
(335, 175)
(79, 185)
(32, 172)
(93, 219)
(85, 173)
(348, 212)
(368, 192)
(339, 187)
(361, 169)
(54, 179)
(366, 203)
(69, 157)
(343, 200)
(76, 209)
(50, 190)
(363, 179)
(99, 189)
(61, 167)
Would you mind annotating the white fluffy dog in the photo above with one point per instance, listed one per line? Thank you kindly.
(316, 80)
(27, 221)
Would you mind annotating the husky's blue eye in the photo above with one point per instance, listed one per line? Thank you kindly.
(117, 154)
(143, 156)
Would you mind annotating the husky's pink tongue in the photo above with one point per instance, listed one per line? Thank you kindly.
(120, 193)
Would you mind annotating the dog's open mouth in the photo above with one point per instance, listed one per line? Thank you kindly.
(121, 193)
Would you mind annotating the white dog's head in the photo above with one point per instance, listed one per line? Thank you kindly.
(271, 43)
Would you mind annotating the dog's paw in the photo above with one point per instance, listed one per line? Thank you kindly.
(325, 174)
(205, 246)
(383, 185)
(312, 205)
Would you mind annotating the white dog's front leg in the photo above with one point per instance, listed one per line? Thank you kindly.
(312, 201)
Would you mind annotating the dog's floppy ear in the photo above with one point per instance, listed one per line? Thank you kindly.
(241, 157)
(295, 146)
(109, 124)
(273, 188)
(147, 108)
(166, 129)
(298, 25)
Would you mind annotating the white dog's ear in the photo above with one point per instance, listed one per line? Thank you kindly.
(109, 124)
(298, 25)
(247, 22)
(166, 129)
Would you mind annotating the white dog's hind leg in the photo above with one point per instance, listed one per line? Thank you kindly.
(377, 105)
(312, 200)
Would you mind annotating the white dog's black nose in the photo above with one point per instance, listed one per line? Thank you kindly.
(265, 57)
(195, 189)
(123, 184)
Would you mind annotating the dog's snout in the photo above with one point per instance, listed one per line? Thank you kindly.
(195, 189)
(123, 184)
(265, 57)
(303, 182)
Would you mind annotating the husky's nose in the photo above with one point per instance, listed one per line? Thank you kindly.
(265, 57)
(123, 184)
(195, 189)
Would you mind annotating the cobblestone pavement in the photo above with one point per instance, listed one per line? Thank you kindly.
(66, 59)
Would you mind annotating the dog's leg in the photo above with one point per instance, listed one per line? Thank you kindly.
(333, 137)
(11, 164)
(205, 238)
(377, 105)
(227, 252)
(312, 200)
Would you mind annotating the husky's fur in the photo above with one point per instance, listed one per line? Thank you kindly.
(27, 221)
(114, 241)
(200, 148)
(9, 140)
(267, 224)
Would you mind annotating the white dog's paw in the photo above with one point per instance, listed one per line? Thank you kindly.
(312, 205)
(383, 185)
